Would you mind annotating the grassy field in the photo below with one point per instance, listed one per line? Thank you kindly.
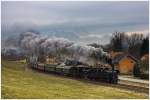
(20, 83)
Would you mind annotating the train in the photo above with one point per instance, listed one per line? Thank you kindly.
(83, 72)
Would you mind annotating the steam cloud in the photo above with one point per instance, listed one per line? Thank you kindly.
(36, 44)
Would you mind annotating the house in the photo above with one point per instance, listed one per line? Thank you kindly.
(123, 62)
(144, 62)
(50, 60)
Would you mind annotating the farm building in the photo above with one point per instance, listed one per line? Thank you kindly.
(124, 62)
(50, 60)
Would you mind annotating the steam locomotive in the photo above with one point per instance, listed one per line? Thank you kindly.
(97, 74)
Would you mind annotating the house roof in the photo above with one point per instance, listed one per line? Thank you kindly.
(145, 57)
(120, 55)
(133, 58)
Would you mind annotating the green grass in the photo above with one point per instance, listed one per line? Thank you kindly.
(20, 83)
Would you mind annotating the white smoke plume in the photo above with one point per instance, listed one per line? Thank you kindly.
(35, 44)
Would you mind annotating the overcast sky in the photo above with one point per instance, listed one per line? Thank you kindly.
(84, 22)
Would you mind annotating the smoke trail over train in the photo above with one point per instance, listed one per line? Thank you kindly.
(35, 44)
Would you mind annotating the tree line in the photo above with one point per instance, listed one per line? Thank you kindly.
(135, 44)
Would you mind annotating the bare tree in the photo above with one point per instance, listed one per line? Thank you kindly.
(135, 41)
(117, 41)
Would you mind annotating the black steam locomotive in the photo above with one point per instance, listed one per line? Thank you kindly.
(97, 74)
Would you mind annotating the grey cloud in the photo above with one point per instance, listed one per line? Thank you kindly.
(72, 19)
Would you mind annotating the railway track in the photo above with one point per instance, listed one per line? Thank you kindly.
(127, 85)
(133, 84)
